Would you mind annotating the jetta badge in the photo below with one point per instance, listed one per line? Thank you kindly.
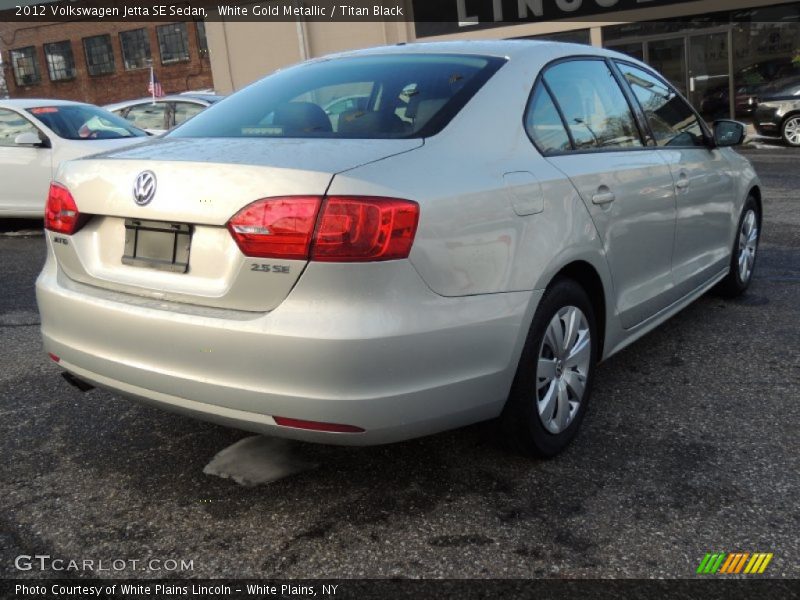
(144, 188)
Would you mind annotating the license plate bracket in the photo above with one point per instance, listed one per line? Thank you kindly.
(157, 245)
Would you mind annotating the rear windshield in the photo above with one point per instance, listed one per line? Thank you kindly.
(76, 122)
(378, 96)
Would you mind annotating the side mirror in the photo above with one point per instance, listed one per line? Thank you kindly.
(30, 139)
(729, 133)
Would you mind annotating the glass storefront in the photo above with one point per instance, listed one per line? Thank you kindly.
(576, 36)
(721, 61)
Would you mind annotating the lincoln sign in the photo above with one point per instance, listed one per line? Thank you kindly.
(437, 17)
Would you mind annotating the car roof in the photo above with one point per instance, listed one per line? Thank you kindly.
(24, 103)
(198, 98)
(527, 51)
(501, 48)
(202, 96)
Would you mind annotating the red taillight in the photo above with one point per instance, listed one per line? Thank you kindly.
(317, 425)
(365, 229)
(53, 357)
(276, 227)
(61, 213)
(334, 229)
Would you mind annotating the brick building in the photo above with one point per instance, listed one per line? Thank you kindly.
(3, 86)
(102, 62)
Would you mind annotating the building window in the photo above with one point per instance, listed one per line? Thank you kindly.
(99, 54)
(723, 61)
(577, 36)
(634, 49)
(60, 61)
(173, 42)
(25, 65)
(202, 41)
(135, 49)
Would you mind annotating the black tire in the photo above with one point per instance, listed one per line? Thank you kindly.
(784, 134)
(734, 285)
(522, 428)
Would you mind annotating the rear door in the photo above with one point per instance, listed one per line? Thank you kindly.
(704, 184)
(25, 171)
(625, 184)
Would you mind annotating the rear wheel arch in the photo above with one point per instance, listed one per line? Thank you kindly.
(792, 113)
(585, 275)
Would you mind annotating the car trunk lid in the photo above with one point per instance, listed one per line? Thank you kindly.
(199, 186)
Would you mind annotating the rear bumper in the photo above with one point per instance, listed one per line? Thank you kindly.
(384, 353)
(18, 212)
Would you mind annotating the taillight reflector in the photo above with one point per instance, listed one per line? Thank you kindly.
(333, 229)
(53, 357)
(61, 213)
(317, 425)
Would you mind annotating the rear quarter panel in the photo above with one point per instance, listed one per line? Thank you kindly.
(470, 239)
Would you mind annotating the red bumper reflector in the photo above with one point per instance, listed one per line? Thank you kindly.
(317, 426)
(53, 357)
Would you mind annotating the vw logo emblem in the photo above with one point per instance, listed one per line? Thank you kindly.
(144, 188)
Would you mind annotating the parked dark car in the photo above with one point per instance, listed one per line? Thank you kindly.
(778, 111)
(748, 85)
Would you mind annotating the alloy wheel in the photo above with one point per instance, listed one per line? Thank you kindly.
(791, 131)
(563, 368)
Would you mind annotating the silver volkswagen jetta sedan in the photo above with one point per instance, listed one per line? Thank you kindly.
(492, 221)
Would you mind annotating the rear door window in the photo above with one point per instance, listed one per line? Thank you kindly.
(593, 105)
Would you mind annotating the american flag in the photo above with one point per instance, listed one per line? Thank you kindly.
(154, 87)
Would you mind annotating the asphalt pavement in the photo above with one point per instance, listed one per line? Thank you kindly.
(690, 446)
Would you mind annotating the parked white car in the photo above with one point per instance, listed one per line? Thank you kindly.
(36, 136)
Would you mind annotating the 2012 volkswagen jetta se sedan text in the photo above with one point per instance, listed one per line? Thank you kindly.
(468, 243)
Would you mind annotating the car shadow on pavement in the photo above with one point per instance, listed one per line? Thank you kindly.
(21, 227)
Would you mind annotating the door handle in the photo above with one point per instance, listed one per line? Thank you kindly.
(683, 182)
(603, 197)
